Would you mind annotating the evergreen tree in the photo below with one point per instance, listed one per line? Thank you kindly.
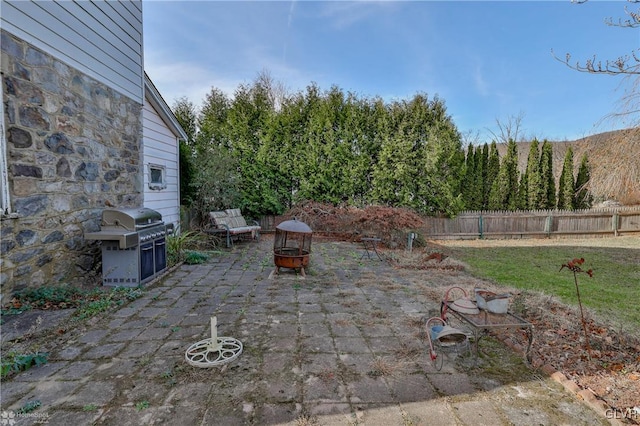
(264, 150)
(547, 179)
(468, 191)
(248, 118)
(213, 121)
(419, 164)
(583, 198)
(185, 113)
(493, 168)
(504, 191)
(566, 185)
(486, 186)
(523, 192)
(188, 191)
(478, 183)
(533, 199)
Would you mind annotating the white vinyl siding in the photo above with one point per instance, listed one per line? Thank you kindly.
(5, 201)
(100, 38)
(160, 149)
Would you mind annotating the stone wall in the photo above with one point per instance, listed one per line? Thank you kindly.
(73, 148)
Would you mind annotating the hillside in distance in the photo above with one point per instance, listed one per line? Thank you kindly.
(614, 158)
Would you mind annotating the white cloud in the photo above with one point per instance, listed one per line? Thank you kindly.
(345, 14)
(482, 87)
(183, 79)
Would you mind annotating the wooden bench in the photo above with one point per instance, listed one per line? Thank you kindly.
(231, 223)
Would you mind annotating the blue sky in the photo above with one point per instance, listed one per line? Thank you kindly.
(487, 60)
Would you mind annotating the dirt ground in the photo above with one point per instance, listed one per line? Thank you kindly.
(613, 373)
(345, 345)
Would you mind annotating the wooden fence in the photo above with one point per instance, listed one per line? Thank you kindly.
(536, 223)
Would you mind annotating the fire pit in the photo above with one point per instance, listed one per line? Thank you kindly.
(292, 245)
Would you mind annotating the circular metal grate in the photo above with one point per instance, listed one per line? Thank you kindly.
(214, 351)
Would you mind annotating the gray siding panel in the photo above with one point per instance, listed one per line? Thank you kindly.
(119, 26)
(115, 47)
(102, 39)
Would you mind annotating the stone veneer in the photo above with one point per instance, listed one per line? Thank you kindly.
(73, 148)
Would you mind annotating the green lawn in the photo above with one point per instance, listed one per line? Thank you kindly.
(612, 293)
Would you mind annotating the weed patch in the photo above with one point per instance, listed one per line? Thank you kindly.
(14, 362)
(30, 406)
(195, 257)
(104, 302)
(88, 303)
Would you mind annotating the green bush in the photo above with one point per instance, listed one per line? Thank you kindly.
(195, 257)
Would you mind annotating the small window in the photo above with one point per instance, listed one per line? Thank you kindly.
(157, 178)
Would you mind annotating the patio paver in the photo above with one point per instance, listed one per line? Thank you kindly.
(341, 347)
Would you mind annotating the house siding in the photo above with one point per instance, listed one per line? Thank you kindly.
(73, 147)
(102, 39)
(161, 148)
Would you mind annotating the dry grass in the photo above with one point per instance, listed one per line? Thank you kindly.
(414, 322)
(327, 375)
(349, 303)
(384, 367)
(379, 314)
(407, 352)
(342, 322)
(307, 420)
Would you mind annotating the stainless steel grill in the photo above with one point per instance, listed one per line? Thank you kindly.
(133, 245)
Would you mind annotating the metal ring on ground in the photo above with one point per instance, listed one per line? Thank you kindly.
(203, 354)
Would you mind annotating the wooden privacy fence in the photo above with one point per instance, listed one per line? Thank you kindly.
(536, 223)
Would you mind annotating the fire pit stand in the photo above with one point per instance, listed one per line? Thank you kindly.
(292, 246)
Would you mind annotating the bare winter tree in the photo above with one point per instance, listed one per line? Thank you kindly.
(470, 137)
(276, 90)
(617, 173)
(626, 64)
(508, 129)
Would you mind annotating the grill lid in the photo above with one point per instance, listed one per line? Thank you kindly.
(130, 219)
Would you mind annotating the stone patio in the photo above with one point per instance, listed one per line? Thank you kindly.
(343, 346)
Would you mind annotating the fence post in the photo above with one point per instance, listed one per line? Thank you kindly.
(412, 236)
(547, 225)
(480, 227)
(615, 223)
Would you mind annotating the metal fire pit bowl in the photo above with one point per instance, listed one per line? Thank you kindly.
(292, 246)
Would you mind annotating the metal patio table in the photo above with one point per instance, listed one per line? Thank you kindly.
(370, 244)
(485, 321)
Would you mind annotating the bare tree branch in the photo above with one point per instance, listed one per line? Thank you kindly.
(626, 64)
(629, 23)
(508, 129)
